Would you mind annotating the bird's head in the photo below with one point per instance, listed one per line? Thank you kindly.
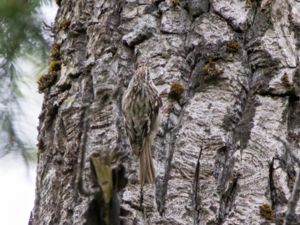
(142, 75)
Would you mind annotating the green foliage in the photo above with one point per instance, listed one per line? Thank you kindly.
(21, 30)
(7, 115)
(21, 35)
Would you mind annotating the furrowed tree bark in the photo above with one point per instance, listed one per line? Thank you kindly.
(228, 73)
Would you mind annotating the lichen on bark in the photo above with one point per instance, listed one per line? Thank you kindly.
(217, 156)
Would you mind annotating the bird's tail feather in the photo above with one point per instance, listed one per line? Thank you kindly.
(147, 172)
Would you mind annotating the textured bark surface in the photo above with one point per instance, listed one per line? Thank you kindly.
(217, 157)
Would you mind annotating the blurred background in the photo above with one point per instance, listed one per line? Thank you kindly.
(25, 40)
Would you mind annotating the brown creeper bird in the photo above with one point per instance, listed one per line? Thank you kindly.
(140, 106)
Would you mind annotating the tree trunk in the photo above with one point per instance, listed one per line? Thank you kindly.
(217, 156)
